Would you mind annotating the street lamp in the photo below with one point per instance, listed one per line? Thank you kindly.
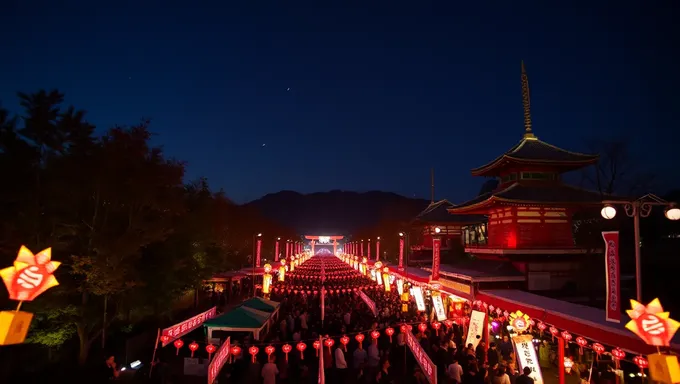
(437, 230)
(641, 207)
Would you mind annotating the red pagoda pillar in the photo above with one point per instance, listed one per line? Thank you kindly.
(361, 248)
(276, 249)
(335, 246)
(313, 243)
(377, 249)
(368, 249)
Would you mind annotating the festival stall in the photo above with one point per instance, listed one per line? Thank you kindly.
(254, 315)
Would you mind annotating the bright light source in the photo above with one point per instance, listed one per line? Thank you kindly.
(437, 230)
(608, 212)
(259, 235)
(135, 364)
(673, 213)
(324, 239)
(401, 234)
(378, 237)
(278, 238)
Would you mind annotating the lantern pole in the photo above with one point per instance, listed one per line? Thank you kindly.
(560, 358)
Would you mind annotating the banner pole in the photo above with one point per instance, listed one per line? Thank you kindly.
(155, 348)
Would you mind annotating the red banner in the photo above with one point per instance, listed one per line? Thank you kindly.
(436, 257)
(258, 251)
(427, 366)
(370, 303)
(377, 250)
(611, 257)
(180, 329)
(401, 253)
(276, 251)
(218, 361)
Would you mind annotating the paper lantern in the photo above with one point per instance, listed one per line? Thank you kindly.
(641, 362)
(30, 275)
(269, 350)
(329, 343)
(598, 348)
(651, 324)
(566, 336)
(301, 347)
(375, 335)
(253, 352)
(193, 347)
(178, 344)
(286, 348)
(541, 327)
(235, 350)
(210, 349)
(359, 338)
(344, 340)
(316, 346)
(422, 327)
(165, 339)
(389, 332)
(582, 342)
(436, 325)
(553, 331)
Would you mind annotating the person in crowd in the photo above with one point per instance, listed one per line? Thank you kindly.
(492, 355)
(109, 370)
(524, 378)
(506, 348)
(340, 364)
(270, 371)
(501, 376)
(455, 372)
(383, 376)
(480, 351)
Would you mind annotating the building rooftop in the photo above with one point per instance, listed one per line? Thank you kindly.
(437, 212)
(481, 271)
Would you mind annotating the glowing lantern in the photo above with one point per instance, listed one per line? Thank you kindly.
(375, 335)
(541, 327)
(390, 332)
(498, 311)
(582, 342)
(193, 347)
(436, 325)
(651, 323)
(568, 363)
(253, 352)
(554, 331)
(316, 346)
(178, 344)
(566, 336)
(641, 362)
(344, 340)
(269, 350)
(329, 343)
(598, 348)
(519, 321)
(282, 270)
(422, 327)
(618, 354)
(210, 349)
(31, 274)
(301, 347)
(235, 350)
(165, 339)
(359, 338)
(286, 349)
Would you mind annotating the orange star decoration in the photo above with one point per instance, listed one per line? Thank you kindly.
(519, 321)
(651, 323)
(31, 274)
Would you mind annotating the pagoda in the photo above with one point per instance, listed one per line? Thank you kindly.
(529, 213)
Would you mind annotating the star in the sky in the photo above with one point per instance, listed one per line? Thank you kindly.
(288, 89)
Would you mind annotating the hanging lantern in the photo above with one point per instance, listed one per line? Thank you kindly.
(598, 348)
(498, 311)
(286, 348)
(316, 346)
(566, 336)
(210, 349)
(165, 339)
(235, 351)
(436, 325)
(344, 340)
(269, 350)
(641, 362)
(582, 342)
(359, 338)
(390, 332)
(301, 347)
(541, 327)
(422, 327)
(618, 354)
(178, 344)
(329, 343)
(375, 335)
(193, 347)
(568, 363)
(554, 331)
(253, 352)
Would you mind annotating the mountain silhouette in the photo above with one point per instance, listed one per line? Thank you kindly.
(336, 212)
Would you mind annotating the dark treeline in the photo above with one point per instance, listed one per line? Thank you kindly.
(132, 236)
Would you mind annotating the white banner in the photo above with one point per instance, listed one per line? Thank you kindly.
(526, 354)
(476, 329)
(428, 367)
(418, 295)
(439, 307)
(218, 361)
(370, 303)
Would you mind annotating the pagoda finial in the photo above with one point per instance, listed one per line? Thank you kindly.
(526, 102)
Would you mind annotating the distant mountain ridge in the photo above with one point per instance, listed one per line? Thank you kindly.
(336, 212)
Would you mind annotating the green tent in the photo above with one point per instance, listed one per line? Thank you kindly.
(254, 315)
(261, 304)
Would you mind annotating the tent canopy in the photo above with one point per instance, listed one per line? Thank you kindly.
(261, 304)
(239, 318)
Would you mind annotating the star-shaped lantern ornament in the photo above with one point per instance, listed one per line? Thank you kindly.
(519, 321)
(651, 323)
(31, 274)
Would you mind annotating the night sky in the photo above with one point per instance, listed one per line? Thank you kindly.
(360, 95)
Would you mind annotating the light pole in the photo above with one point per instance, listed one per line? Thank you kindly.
(256, 243)
(636, 209)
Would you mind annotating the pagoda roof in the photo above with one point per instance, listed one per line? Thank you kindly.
(532, 151)
(533, 193)
(438, 212)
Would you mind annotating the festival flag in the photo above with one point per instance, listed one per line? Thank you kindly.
(323, 302)
(322, 374)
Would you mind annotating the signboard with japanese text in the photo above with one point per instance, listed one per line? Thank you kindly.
(439, 307)
(476, 329)
(611, 257)
(526, 354)
(417, 294)
(180, 329)
(370, 303)
(428, 367)
(219, 360)
(436, 255)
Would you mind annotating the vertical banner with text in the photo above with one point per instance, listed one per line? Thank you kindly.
(218, 361)
(424, 361)
(476, 329)
(401, 254)
(436, 256)
(526, 354)
(613, 278)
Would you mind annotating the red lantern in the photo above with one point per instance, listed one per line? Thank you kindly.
(301, 347)
(235, 350)
(269, 350)
(253, 352)
(541, 327)
(193, 347)
(210, 349)
(618, 353)
(359, 338)
(286, 348)
(390, 332)
(566, 336)
(375, 335)
(329, 343)
(554, 331)
(436, 325)
(641, 362)
(317, 345)
(582, 342)
(344, 340)
(422, 327)
(403, 328)
(598, 348)
(165, 339)
(178, 344)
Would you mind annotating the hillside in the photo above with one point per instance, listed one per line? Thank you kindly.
(338, 212)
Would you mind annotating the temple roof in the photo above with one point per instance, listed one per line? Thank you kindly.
(532, 151)
(481, 270)
(437, 212)
(533, 193)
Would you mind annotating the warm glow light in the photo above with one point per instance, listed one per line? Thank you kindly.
(378, 237)
(437, 230)
(324, 239)
(401, 234)
(651, 323)
(673, 213)
(608, 212)
(31, 274)
(267, 268)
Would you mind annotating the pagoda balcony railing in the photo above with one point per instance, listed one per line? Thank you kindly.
(552, 249)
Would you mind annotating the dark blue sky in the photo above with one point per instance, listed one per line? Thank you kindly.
(380, 92)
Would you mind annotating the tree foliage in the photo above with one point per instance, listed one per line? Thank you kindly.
(131, 235)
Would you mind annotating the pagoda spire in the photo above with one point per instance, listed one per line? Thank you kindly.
(431, 185)
(526, 102)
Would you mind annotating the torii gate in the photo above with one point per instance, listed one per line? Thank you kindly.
(324, 240)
